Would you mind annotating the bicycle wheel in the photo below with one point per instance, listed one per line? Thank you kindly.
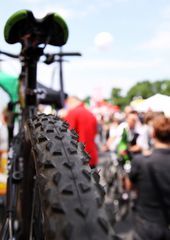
(117, 198)
(12, 220)
(71, 198)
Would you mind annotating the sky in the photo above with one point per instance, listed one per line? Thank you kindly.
(122, 42)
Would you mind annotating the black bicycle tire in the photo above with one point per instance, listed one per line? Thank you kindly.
(72, 199)
(13, 194)
(117, 207)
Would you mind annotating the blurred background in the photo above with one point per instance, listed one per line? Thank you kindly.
(125, 47)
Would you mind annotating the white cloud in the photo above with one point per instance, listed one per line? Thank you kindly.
(103, 41)
(160, 41)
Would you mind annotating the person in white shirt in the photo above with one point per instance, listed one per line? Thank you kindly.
(136, 140)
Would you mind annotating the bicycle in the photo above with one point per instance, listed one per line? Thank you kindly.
(51, 192)
(118, 198)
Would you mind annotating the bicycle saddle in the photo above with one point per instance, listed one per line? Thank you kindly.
(51, 29)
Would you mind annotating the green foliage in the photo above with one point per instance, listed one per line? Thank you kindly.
(162, 87)
(143, 89)
(87, 100)
(117, 98)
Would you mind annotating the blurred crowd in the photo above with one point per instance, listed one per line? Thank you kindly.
(141, 138)
(138, 127)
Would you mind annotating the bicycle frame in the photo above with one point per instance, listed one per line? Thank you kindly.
(21, 169)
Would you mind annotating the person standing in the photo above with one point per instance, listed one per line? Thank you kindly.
(85, 123)
(150, 177)
(133, 131)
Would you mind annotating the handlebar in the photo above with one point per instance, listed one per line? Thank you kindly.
(61, 54)
(50, 57)
(10, 54)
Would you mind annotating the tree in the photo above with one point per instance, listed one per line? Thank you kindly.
(162, 87)
(142, 89)
(87, 100)
(166, 87)
(147, 89)
(117, 98)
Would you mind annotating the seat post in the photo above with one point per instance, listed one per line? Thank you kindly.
(30, 58)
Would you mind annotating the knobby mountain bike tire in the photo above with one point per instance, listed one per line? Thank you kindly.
(119, 202)
(71, 197)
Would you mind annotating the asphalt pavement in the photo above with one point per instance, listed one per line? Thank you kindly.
(124, 228)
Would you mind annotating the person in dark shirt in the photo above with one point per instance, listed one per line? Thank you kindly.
(150, 176)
